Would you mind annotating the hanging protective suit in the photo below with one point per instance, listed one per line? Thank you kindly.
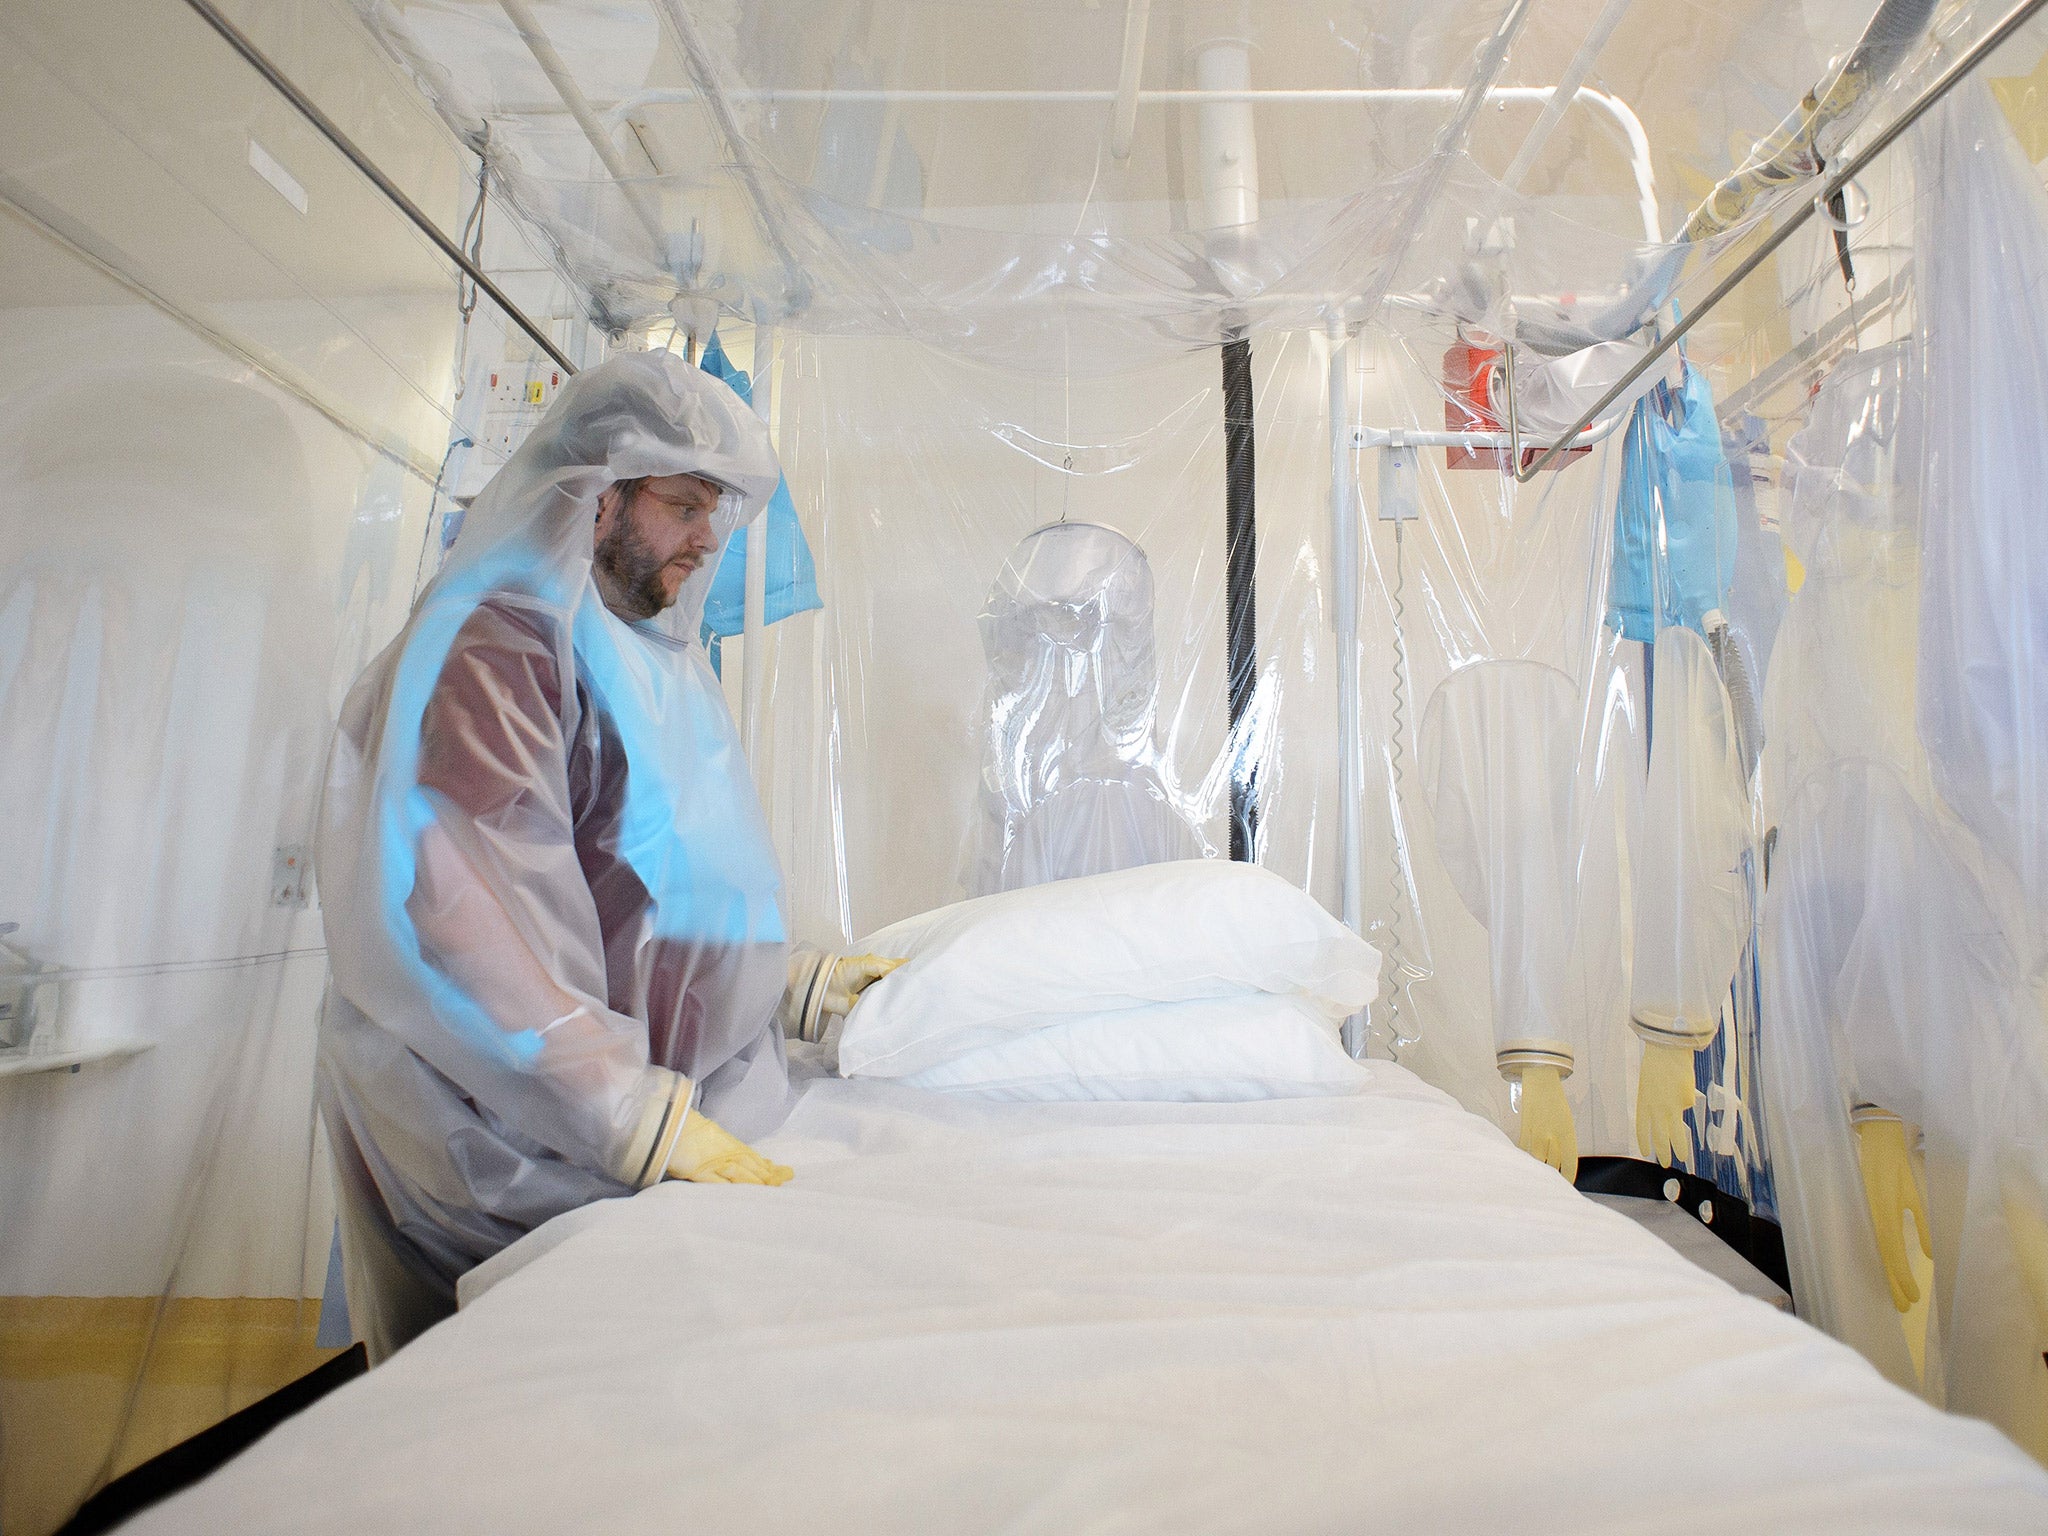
(1981, 249)
(551, 903)
(1842, 675)
(1691, 900)
(1898, 945)
(1500, 749)
(1889, 990)
(1072, 783)
(1691, 888)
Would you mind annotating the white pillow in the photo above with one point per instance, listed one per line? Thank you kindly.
(984, 970)
(1220, 1049)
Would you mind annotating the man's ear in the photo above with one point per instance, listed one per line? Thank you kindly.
(607, 507)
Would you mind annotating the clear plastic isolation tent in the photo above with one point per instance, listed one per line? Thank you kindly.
(1207, 278)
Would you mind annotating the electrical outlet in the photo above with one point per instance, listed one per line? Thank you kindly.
(291, 877)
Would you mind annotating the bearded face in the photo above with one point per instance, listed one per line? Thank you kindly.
(652, 536)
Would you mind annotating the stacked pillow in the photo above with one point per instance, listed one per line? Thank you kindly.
(1184, 981)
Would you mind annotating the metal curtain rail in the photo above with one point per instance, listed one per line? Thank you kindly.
(331, 131)
(1947, 81)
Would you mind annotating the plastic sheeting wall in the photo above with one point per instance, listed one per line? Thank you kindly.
(224, 395)
(1904, 963)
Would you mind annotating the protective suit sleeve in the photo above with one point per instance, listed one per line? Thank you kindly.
(660, 1129)
(1499, 754)
(503, 910)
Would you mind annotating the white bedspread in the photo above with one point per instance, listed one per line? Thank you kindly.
(1364, 1314)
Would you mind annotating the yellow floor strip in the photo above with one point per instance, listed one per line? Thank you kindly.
(96, 1382)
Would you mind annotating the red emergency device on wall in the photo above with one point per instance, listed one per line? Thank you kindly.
(1475, 379)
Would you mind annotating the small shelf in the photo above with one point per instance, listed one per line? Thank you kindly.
(58, 1058)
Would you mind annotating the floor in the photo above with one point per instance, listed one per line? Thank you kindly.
(78, 1406)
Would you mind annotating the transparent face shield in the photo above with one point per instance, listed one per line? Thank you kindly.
(683, 620)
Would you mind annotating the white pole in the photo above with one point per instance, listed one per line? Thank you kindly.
(1344, 595)
(753, 643)
(1130, 70)
(1229, 145)
(1344, 585)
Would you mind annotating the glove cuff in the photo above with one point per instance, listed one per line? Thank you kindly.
(1865, 1113)
(803, 1004)
(668, 1102)
(1692, 1034)
(1516, 1055)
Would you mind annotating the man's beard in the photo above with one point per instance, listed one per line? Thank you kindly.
(629, 573)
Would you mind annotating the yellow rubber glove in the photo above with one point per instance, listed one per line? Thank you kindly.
(1547, 1132)
(707, 1153)
(1892, 1188)
(852, 976)
(1664, 1093)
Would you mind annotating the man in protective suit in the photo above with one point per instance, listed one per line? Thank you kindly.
(559, 963)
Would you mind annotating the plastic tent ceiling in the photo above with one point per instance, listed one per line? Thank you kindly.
(1059, 184)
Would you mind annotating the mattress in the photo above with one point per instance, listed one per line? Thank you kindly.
(1367, 1313)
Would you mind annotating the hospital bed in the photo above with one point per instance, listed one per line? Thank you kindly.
(1366, 1312)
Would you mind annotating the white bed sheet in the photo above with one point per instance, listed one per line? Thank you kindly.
(1358, 1314)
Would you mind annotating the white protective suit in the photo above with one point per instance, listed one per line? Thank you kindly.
(1072, 781)
(1500, 747)
(1902, 944)
(1691, 894)
(552, 907)
(1981, 252)
(1842, 682)
(1887, 981)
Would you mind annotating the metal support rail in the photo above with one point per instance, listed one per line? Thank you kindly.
(1847, 172)
(331, 131)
